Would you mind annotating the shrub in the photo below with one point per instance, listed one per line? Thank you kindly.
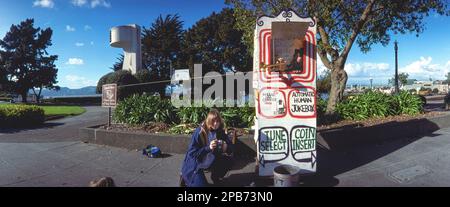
(367, 105)
(102, 81)
(143, 76)
(323, 118)
(423, 100)
(142, 109)
(241, 117)
(321, 107)
(377, 104)
(435, 91)
(17, 116)
(407, 103)
(192, 115)
(120, 77)
(447, 101)
(414, 91)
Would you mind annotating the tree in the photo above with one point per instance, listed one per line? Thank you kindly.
(410, 81)
(119, 64)
(324, 82)
(121, 78)
(44, 78)
(161, 46)
(3, 76)
(340, 24)
(435, 90)
(402, 79)
(215, 42)
(25, 59)
(447, 81)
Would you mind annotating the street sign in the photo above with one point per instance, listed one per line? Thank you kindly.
(109, 95)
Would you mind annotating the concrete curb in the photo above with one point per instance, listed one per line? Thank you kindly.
(333, 139)
(168, 143)
(347, 138)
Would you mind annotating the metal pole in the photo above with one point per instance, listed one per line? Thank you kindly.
(396, 67)
(109, 116)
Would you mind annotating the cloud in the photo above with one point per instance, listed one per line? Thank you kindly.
(424, 68)
(79, 44)
(75, 61)
(79, 3)
(366, 69)
(74, 81)
(104, 3)
(92, 43)
(87, 27)
(70, 29)
(44, 3)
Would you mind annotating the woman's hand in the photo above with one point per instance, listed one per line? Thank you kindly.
(213, 145)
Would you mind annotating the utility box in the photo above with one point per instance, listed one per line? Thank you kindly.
(285, 68)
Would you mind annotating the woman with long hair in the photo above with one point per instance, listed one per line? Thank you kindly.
(210, 149)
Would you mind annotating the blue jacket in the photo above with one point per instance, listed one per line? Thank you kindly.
(197, 152)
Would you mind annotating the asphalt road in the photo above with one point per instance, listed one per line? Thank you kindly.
(60, 130)
(54, 156)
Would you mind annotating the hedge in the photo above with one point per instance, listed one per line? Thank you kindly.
(143, 109)
(18, 116)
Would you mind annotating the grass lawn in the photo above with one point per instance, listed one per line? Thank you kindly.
(59, 110)
(63, 110)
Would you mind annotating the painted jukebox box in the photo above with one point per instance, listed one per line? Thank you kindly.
(285, 90)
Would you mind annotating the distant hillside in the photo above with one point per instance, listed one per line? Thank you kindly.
(64, 91)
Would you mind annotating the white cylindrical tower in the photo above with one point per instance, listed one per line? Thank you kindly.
(129, 38)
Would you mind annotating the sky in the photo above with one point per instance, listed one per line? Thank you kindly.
(81, 38)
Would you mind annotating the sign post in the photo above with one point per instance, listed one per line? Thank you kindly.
(285, 92)
(109, 98)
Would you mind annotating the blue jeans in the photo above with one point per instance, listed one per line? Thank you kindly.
(199, 180)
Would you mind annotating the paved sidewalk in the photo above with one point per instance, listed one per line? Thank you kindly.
(414, 161)
(65, 164)
(75, 164)
(417, 161)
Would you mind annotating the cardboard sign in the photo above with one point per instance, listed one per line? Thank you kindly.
(285, 84)
(109, 95)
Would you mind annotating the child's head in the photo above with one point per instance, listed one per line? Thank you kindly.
(214, 121)
(102, 182)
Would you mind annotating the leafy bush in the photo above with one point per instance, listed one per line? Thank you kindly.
(102, 81)
(367, 105)
(322, 117)
(321, 107)
(142, 109)
(143, 76)
(423, 100)
(21, 116)
(241, 117)
(195, 115)
(377, 104)
(120, 77)
(183, 129)
(407, 103)
(435, 91)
